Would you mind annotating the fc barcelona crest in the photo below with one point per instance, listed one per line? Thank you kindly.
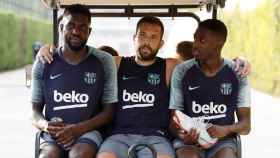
(153, 78)
(90, 78)
(226, 88)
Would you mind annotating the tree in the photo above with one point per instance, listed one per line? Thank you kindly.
(256, 35)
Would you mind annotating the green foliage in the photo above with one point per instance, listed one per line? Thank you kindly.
(256, 35)
(17, 36)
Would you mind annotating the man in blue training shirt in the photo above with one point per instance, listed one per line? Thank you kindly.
(142, 114)
(77, 91)
(208, 88)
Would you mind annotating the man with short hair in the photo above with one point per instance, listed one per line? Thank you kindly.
(142, 115)
(207, 88)
(184, 50)
(78, 91)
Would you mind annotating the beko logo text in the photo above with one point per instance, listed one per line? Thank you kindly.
(138, 97)
(209, 109)
(70, 97)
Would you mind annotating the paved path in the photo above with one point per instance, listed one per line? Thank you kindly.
(264, 139)
(17, 135)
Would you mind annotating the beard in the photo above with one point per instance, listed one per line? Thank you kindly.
(75, 47)
(146, 53)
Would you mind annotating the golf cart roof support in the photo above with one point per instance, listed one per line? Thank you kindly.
(214, 12)
(55, 27)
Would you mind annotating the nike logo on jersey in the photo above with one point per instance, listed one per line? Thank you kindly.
(193, 88)
(52, 77)
(128, 77)
(160, 132)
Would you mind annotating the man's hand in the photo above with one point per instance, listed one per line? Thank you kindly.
(53, 128)
(217, 131)
(190, 137)
(242, 66)
(68, 135)
(175, 122)
(45, 54)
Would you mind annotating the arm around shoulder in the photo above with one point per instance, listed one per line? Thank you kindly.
(110, 78)
(118, 61)
(170, 65)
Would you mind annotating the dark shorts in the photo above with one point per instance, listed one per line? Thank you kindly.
(208, 153)
(120, 143)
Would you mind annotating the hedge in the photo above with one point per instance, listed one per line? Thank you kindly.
(17, 34)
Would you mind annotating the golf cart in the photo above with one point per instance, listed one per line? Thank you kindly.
(136, 8)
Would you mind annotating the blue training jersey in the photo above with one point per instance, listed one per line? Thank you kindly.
(74, 92)
(143, 98)
(215, 98)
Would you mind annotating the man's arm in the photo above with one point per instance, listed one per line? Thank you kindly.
(173, 126)
(39, 121)
(176, 94)
(45, 54)
(242, 127)
(37, 101)
(37, 118)
(177, 103)
(170, 65)
(242, 66)
(118, 61)
(104, 117)
(244, 121)
(190, 137)
(71, 132)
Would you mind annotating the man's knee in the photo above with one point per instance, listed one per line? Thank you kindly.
(49, 151)
(106, 155)
(164, 156)
(82, 150)
(187, 153)
(225, 152)
(49, 155)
